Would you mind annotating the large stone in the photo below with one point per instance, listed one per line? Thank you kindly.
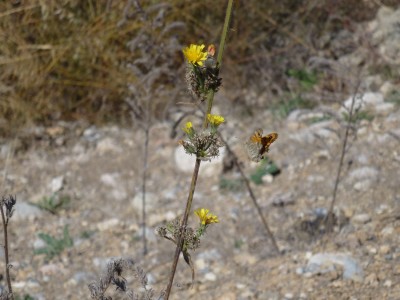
(321, 263)
(362, 102)
(186, 162)
(363, 173)
(25, 211)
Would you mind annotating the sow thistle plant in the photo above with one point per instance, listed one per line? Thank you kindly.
(204, 144)
(202, 80)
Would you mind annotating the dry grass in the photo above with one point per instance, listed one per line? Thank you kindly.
(70, 59)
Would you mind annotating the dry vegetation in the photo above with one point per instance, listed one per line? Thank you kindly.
(70, 59)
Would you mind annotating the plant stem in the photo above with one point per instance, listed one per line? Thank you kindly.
(329, 217)
(5, 224)
(210, 98)
(144, 177)
(183, 226)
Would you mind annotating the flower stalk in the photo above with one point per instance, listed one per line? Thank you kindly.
(210, 98)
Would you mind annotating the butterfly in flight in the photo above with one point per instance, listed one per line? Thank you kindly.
(258, 145)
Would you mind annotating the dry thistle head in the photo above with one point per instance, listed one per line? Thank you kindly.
(206, 143)
(202, 71)
(9, 203)
(113, 278)
(172, 231)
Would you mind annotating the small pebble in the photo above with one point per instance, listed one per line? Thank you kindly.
(288, 296)
(384, 249)
(361, 218)
(210, 277)
(387, 283)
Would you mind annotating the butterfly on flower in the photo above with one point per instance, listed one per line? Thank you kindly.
(258, 145)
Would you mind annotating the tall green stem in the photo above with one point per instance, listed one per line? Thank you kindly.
(210, 96)
(189, 202)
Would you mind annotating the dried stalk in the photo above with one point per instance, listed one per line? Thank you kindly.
(330, 215)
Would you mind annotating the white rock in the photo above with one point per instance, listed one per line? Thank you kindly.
(385, 108)
(383, 208)
(363, 185)
(361, 218)
(108, 145)
(50, 269)
(322, 155)
(186, 162)
(210, 277)
(157, 218)
(268, 178)
(56, 184)
(304, 115)
(78, 149)
(387, 283)
(108, 224)
(309, 134)
(24, 211)
(240, 286)
(362, 101)
(283, 199)
(386, 34)
(321, 263)
(288, 296)
(110, 179)
(384, 249)
(387, 88)
(38, 244)
(31, 284)
(101, 262)
(201, 264)
(91, 134)
(387, 231)
(363, 173)
(113, 180)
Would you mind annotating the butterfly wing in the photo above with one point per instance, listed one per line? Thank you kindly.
(254, 145)
(266, 141)
(258, 145)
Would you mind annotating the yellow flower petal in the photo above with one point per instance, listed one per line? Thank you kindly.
(206, 218)
(188, 127)
(215, 119)
(195, 54)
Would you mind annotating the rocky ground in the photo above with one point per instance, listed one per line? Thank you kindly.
(90, 178)
(99, 171)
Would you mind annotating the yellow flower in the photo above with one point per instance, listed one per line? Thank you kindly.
(215, 120)
(194, 54)
(206, 218)
(188, 127)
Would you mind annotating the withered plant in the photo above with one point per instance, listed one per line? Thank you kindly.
(7, 209)
(152, 62)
